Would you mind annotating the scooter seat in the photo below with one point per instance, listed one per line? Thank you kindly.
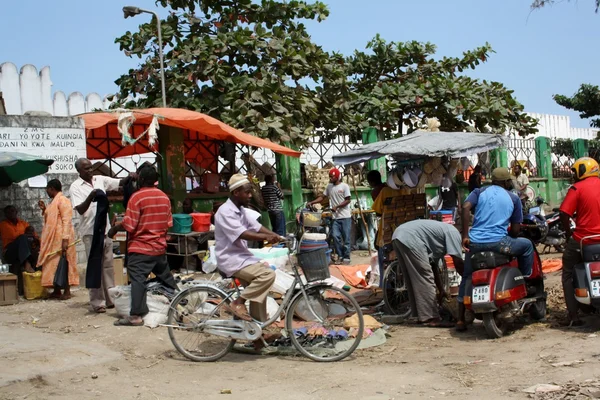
(591, 252)
(488, 260)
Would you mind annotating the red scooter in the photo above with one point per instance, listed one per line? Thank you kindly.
(497, 291)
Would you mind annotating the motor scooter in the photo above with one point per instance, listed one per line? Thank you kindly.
(586, 276)
(556, 236)
(497, 292)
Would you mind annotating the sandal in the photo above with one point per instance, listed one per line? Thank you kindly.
(127, 322)
(100, 310)
(437, 324)
(238, 310)
(65, 297)
(461, 326)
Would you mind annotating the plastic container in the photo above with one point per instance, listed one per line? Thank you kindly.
(211, 183)
(182, 223)
(32, 285)
(201, 222)
(314, 264)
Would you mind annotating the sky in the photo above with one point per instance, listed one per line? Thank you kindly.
(538, 54)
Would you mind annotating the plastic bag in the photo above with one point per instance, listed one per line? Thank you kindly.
(61, 277)
(158, 306)
(210, 263)
(374, 275)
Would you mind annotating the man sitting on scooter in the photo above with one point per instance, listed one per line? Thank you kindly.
(583, 199)
(494, 208)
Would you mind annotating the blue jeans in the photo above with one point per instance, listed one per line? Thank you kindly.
(341, 237)
(277, 222)
(520, 247)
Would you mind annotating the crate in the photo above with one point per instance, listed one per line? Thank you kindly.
(8, 289)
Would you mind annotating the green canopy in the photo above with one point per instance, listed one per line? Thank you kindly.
(16, 167)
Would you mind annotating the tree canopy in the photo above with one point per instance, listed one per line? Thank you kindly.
(401, 82)
(542, 3)
(254, 66)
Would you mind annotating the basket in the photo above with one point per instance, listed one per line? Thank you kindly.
(182, 223)
(311, 219)
(315, 264)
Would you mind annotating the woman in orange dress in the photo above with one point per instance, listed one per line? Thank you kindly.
(58, 233)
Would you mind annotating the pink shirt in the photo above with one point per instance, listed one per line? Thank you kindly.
(231, 250)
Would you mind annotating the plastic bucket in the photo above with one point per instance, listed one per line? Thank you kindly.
(182, 223)
(201, 222)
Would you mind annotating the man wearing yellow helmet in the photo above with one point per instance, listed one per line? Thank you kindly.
(583, 199)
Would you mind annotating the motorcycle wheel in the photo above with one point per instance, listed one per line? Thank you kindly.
(494, 327)
(537, 311)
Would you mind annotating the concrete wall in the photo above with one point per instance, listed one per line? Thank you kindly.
(26, 198)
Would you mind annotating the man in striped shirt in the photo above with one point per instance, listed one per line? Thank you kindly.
(147, 220)
(272, 197)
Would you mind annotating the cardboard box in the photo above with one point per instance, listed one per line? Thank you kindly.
(8, 289)
(121, 278)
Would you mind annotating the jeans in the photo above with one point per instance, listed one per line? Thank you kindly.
(341, 237)
(139, 267)
(277, 218)
(520, 247)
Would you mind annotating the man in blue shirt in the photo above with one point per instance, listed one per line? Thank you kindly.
(494, 209)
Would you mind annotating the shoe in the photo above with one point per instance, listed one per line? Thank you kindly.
(346, 261)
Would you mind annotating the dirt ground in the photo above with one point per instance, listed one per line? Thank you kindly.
(140, 363)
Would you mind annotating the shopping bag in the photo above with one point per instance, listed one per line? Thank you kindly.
(61, 277)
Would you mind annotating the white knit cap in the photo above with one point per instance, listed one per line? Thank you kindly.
(236, 181)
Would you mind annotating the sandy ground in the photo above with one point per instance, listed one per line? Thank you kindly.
(52, 349)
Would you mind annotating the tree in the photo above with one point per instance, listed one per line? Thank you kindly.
(400, 83)
(541, 3)
(586, 101)
(246, 64)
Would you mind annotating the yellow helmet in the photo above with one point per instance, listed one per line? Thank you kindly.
(585, 167)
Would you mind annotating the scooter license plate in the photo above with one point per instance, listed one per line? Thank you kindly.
(596, 288)
(481, 294)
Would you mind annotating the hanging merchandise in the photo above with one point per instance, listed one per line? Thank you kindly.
(465, 163)
(391, 183)
(410, 178)
(126, 119)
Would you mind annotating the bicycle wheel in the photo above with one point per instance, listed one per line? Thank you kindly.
(321, 336)
(188, 311)
(395, 291)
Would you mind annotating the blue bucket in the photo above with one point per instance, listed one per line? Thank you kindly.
(182, 223)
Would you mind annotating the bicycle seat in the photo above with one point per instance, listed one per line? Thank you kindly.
(488, 260)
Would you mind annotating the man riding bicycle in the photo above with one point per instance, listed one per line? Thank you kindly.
(233, 228)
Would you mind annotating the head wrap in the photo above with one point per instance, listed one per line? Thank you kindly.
(237, 181)
(334, 172)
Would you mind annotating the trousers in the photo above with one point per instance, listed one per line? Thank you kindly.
(139, 267)
(341, 237)
(257, 280)
(420, 282)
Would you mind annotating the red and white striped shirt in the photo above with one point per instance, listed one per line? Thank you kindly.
(147, 219)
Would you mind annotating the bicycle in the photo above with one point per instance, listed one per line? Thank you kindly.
(192, 311)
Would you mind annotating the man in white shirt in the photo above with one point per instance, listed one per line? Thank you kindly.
(521, 178)
(83, 191)
(339, 201)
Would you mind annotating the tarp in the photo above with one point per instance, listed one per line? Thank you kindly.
(104, 139)
(423, 144)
